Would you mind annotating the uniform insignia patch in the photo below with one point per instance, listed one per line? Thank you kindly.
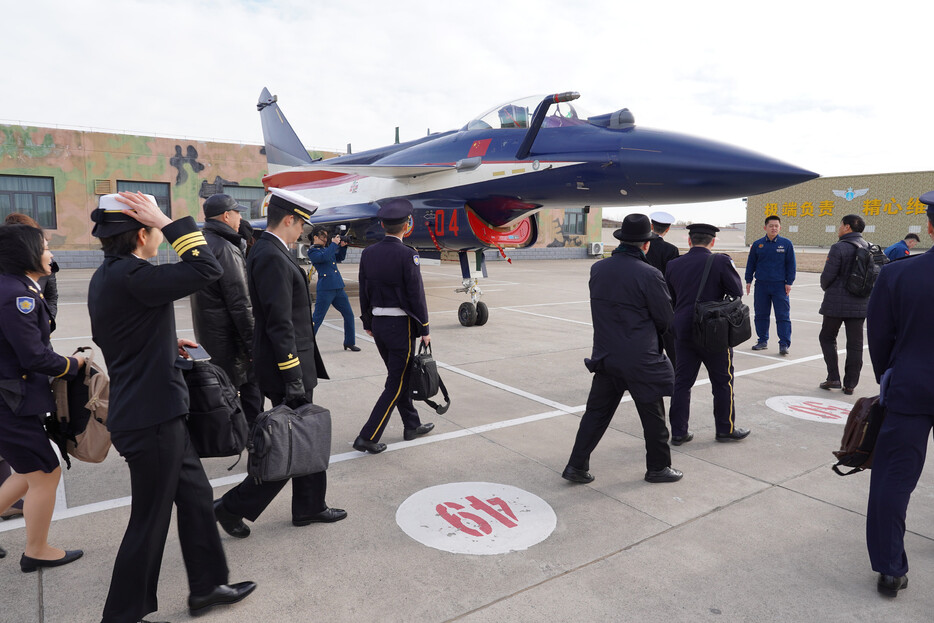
(25, 304)
(415, 259)
(761, 245)
(196, 253)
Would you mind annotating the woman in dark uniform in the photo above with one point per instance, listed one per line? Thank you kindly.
(26, 363)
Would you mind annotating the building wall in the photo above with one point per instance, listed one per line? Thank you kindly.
(811, 211)
(85, 164)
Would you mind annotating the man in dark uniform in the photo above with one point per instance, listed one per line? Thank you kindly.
(130, 302)
(900, 345)
(286, 359)
(221, 312)
(684, 279)
(394, 311)
(772, 263)
(659, 254)
(630, 307)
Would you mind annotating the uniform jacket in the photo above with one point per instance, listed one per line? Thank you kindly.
(221, 312)
(284, 347)
(684, 278)
(899, 333)
(131, 304)
(771, 260)
(630, 307)
(660, 253)
(897, 251)
(390, 277)
(838, 302)
(26, 357)
(325, 260)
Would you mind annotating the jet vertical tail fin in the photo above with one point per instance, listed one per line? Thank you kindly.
(283, 147)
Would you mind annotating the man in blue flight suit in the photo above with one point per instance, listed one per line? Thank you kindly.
(902, 248)
(394, 311)
(286, 359)
(900, 346)
(130, 303)
(631, 309)
(772, 263)
(684, 277)
(330, 289)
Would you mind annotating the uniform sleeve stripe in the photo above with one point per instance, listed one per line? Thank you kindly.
(289, 364)
(188, 242)
(67, 368)
(181, 249)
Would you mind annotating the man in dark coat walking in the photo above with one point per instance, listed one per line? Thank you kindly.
(631, 309)
(221, 312)
(684, 280)
(840, 307)
(288, 364)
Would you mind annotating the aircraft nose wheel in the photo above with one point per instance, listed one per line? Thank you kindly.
(469, 314)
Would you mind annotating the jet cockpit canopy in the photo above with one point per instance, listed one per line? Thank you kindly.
(518, 114)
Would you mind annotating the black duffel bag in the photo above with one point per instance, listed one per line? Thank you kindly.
(426, 381)
(722, 324)
(216, 423)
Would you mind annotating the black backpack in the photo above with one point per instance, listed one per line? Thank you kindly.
(216, 423)
(867, 263)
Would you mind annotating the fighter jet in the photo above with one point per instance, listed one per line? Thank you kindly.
(479, 187)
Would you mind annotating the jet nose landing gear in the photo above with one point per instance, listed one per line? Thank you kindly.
(474, 312)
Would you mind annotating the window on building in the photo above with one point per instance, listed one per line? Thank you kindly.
(248, 195)
(160, 190)
(32, 196)
(575, 221)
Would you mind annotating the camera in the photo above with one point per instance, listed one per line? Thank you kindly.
(343, 234)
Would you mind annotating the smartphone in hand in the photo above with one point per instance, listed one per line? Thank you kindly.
(197, 353)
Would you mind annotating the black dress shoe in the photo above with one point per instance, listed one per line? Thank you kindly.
(411, 433)
(889, 585)
(365, 445)
(677, 440)
(663, 475)
(2, 553)
(736, 435)
(231, 524)
(848, 390)
(352, 347)
(328, 515)
(28, 565)
(223, 594)
(828, 385)
(577, 475)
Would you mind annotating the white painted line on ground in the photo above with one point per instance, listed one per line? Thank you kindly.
(521, 311)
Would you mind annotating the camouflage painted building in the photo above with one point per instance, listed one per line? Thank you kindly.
(56, 175)
(811, 212)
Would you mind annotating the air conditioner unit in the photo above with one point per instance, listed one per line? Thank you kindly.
(595, 248)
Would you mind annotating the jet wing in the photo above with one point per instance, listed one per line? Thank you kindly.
(377, 170)
(344, 214)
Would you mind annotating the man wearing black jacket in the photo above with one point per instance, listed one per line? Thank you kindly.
(221, 312)
(631, 308)
(287, 362)
(130, 302)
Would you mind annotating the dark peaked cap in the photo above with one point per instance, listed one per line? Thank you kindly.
(703, 228)
(636, 228)
(215, 205)
(109, 219)
(394, 211)
(292, 202)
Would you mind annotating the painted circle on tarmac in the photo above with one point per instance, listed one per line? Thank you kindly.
(482, 518)
(810, 408)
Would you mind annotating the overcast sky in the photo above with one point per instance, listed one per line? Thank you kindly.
(840, 88)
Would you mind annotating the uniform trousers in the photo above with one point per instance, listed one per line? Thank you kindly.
(251, 400)
(395, 338)
(854, 348)
(719, 366)
(337, 298)
(606, 391)
(767, 295)
(896, 467)
(164, 469)
(249, 499)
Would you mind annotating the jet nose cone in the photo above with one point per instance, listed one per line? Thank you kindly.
(675, 168)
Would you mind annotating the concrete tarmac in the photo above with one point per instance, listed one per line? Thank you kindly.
(760, 530)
